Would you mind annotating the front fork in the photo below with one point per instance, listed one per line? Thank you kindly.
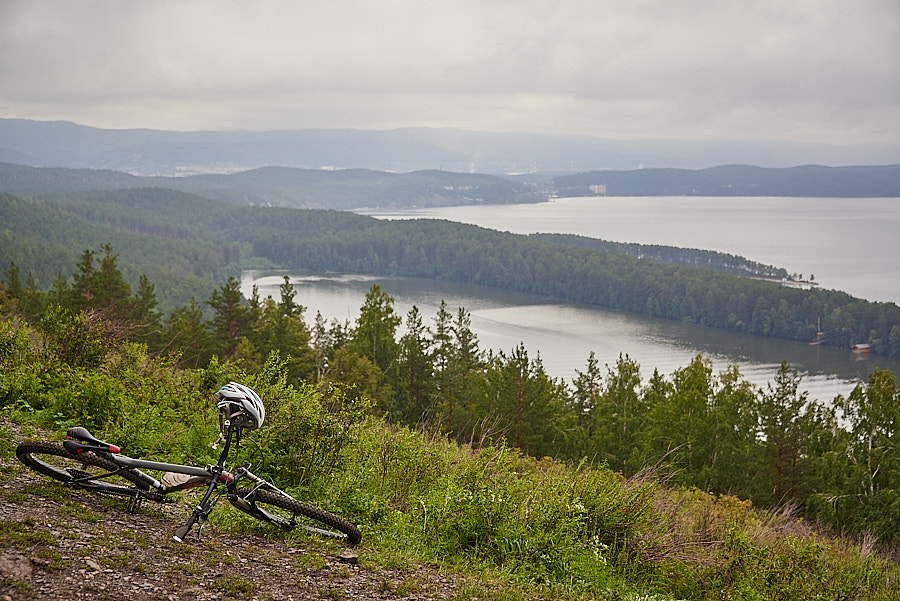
(247, 503)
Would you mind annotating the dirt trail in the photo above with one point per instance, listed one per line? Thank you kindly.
(62, 544)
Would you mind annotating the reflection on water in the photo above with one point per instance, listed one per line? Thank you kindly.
(564, 335)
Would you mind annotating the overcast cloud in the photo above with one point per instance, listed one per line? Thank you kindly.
(804, 70)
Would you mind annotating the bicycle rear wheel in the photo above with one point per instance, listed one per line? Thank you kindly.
(289, 513)
(86, 471)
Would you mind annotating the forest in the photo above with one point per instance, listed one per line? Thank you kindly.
(583, 275)
(185, 243)
(708, 259)
(341, 189)
(836, 463)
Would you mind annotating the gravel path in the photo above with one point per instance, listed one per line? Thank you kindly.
(62, 544)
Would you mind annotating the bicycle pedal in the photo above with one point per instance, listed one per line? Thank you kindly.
(134, 505)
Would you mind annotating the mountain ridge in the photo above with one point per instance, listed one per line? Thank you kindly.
(345, 189)
(354, 189)
(169, 153)
(870, 181)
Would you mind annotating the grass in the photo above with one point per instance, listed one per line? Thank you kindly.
(7, 446)
(309, 562)
(119, 561)
(510, 526)
(39, 544)
(235, 587)
(539, 527)
(335, 594)
(24, 535)
(79, 512)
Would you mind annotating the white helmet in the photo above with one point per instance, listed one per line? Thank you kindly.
(241, 406)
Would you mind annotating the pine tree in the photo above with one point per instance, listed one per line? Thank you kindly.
(83, 289)
(442, 356)
(375, 332)
(780, 414)
(587, 391)
(186, 335)
(232, 318)
(13, 282)
(617, 415)
(109, 291)
(280, 327)
(287, 306)
(677, 430)
(416, 372)
(465, 367)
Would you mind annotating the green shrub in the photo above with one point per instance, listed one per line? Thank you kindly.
(539, 526)
(18, 379)
(79, 340)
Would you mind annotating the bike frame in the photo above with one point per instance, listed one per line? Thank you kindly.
(80, 441)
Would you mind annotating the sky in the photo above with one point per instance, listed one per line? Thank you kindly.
(822, 71)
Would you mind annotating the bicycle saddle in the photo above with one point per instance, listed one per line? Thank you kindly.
(78, 440)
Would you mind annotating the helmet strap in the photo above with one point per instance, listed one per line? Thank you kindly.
(223, 425)
(221, 438)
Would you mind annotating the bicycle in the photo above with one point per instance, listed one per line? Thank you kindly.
(86, 463)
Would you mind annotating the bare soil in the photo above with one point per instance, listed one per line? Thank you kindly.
(57, 543)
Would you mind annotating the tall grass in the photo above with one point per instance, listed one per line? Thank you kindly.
(537, 525)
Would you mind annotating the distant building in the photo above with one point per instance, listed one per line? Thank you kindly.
(598, 189)
(798, 284)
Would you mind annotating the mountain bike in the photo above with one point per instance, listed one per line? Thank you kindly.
(83, 462)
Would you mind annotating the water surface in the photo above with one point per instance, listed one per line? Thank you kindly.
(563, 335)
(849, 244)
(845, 243)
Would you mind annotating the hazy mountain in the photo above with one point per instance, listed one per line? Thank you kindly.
(348, 189)
(343, 189)
(737, 180)
(154, 152)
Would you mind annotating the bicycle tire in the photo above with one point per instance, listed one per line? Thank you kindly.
(289, 509)
(53, 460)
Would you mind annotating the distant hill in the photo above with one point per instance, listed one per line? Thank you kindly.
(171, 153)
(349, 189)
(344, 189)
(737, 180)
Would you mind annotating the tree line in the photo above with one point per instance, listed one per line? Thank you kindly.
(836, 462)
(457, 252)
(708, 259)
(188, 243)
(340, 189)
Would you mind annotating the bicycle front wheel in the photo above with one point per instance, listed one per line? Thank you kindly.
(86, 471)
(289, 513)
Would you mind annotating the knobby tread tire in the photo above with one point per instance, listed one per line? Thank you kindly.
(30, 453)
(265, 497)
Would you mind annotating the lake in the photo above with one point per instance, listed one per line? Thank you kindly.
(564, 335)
(847, 244)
